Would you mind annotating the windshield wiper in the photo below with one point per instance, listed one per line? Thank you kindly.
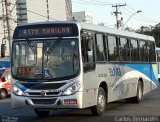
(57, 42)
(32, 46)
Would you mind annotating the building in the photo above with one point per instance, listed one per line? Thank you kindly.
(27, 11)
(83, 16)
(49, 10)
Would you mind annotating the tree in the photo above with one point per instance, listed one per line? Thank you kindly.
(155, 32)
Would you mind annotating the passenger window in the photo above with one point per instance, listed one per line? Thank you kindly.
(101, 55)
(134, 50)
(113, 48)
(143, 51)
(152, 55)
(87, 48)
(124, 50)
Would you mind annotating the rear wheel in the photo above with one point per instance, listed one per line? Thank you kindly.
(41, 113)
(3, 93)
(139, 97)
(99, 109)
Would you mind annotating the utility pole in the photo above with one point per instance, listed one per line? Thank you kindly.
(117, 12)
(8, 20)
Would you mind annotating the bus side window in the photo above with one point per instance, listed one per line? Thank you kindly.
(143, 49)
(152, 55)
(134, 50)
(88, 52)
(87, 49)
(113, 48)
(90, 49)
(100, 48)
(124, 49)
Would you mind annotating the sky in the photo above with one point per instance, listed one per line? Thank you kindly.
(102, 11)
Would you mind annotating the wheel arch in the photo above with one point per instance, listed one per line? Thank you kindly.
(104, 85)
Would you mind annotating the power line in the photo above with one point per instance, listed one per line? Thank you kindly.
(143, 15)
(91, 3)
(138, 18)
(14, 6)
(37, 13)
(96, 2)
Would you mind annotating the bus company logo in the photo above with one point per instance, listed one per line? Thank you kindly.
(43, 93)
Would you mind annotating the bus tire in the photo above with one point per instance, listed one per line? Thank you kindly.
(41, 113)
(3, 93)
(139, 97)
(99, 109)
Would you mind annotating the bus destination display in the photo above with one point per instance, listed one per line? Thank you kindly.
(46, 31)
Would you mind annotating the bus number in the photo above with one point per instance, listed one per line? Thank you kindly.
(115, 71)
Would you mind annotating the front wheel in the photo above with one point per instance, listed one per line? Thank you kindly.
(99, 109)
(41, 113)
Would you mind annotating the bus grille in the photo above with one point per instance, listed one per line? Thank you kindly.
(47, 86)
(39, 93)
(43, 101)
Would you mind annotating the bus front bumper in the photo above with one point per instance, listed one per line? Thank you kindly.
(72, 101)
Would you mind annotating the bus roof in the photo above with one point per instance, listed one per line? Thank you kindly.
(115, 31)
(97, 28)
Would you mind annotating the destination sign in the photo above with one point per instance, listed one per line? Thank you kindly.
(46, 30)
(25, 70)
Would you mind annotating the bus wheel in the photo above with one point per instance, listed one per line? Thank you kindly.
(3, 93)
(99, 109)
(139, 97)
(41, 113)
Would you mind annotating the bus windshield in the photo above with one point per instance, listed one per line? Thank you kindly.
(48, 59)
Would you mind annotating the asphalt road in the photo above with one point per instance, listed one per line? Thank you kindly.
(120, 111)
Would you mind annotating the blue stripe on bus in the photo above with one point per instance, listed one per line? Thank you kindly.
(20, 86)
(146, 69)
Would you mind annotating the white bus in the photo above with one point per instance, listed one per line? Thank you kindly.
(58, 65)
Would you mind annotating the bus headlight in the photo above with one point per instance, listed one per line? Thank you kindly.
(72, 89)
(17, 91)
